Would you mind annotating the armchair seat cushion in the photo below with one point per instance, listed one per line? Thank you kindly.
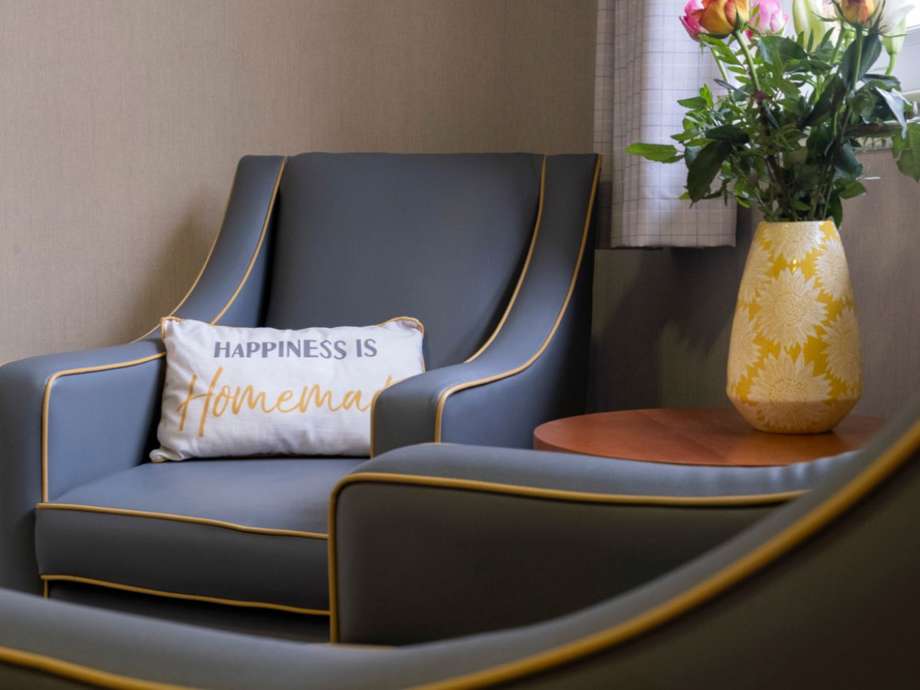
(243, 532)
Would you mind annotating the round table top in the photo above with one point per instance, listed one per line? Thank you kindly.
(717, 437)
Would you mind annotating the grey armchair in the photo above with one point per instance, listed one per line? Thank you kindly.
(819, 593)
(491, 252)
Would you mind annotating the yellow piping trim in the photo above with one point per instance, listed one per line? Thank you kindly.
(743, 500)
(185, 597)
(802, 529)
(524, 492)
(45, 589)
(210, 522)
(450, 390)
(46, 400)
(80, 673)
(520, 282)
(411, 319)
(204, 267)
(508, 307)
(332, 570)
(46, 404)
(746, 566)
(255, 255)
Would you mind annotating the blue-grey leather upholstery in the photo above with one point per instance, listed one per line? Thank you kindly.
(543, 329)
(314, 239)
(150, 548)
(820, 594)
(440, 238)
(407, 543)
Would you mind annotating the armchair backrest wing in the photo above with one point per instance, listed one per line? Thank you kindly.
(360, 238)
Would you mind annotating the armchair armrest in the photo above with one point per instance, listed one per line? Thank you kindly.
(437, 541)
(520, 376)
(67, 419)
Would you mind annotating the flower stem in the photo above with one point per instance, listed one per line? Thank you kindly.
(859, 53)
(721, 67)
(892, 60)
(773, 168)
(748, 58)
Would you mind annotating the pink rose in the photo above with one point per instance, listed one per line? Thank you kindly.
(768, 16)
(693, 11)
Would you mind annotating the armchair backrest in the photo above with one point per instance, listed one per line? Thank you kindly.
(360, 238)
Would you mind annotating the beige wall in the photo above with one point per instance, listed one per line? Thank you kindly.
(121, 123)
(662, 318)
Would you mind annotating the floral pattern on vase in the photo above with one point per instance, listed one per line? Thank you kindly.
(794, 361)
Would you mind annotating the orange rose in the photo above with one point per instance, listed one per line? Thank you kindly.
(721, 17)
(858, 11)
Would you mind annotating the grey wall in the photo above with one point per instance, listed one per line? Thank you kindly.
(662, 317)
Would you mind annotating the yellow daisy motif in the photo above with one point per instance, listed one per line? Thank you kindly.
(756, 274)
(794, 361)
(833, 274)
(744, 351)
(787, 394)
(789, 309)
(791, 241)
(842, 341)
(785, 379)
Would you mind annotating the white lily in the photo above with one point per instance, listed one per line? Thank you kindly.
(809, 18)
(893, 25)
(894, 14)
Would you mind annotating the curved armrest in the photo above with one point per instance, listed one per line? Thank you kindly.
(519, 377)
(69, 418)
(437, 541)
(66, 419)
(47, 643)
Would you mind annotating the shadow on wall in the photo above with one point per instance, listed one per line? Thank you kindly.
(186, 244)
(661, 325)
(662, 318)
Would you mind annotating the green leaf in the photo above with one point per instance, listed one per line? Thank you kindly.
(871, 50)
(853, 189)
(847, 163)
(830, 99)
(819, 142)
(885, 80)
(895, 102)
(729, 133)
(907, 150)
(705, 167)
(796, 158)
(780, 50)
(720, 49)
(835, 208)
(706, 95)
(695, 103)
(660, 153)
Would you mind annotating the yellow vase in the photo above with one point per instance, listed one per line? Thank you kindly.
(794, 362)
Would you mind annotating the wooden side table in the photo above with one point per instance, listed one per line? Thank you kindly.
(717, 437)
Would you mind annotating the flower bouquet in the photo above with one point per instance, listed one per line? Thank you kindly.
(781, 135)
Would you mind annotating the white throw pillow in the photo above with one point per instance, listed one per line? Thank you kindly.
(262, 391)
